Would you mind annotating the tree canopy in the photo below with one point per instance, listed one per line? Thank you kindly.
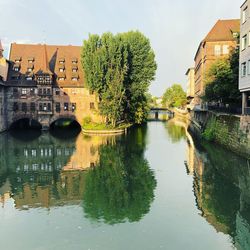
(119, 68)
(222, 80)
(174, 96)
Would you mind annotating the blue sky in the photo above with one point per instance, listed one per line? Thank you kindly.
(174, 27)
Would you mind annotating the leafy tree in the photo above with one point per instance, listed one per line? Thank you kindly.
(174, 96)
(222, 80)
(119, 68)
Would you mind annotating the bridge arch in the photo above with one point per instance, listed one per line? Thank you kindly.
(22, 122)
(64, 121)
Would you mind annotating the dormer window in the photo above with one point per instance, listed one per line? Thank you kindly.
(74, 77)
(31, 59)
(18, 59)
(74, 69)
(61, 60)
(30, 68)
(16, 67)
(74, 60)
(61, 69)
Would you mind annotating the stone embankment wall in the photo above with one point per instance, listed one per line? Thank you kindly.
(230, 131)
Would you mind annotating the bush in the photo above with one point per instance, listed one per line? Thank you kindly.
(87, 120)
(209, 132)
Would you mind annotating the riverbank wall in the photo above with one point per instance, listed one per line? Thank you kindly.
(230, 131)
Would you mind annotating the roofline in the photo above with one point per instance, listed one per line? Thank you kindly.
(42, 44)
(189, 70)
(203, 41)
(243, 4)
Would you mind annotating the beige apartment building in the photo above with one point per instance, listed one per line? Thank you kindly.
(190, 88)
(244, 74)
(218, 43)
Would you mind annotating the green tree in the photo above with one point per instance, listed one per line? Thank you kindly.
(119, 68)
(174, 96)
(222, 80)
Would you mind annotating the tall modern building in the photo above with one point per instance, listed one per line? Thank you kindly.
(244, 74)
(217, 44)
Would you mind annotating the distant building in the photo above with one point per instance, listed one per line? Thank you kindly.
(46, 83)
(244, 74)
(217, 44)
(190, 87)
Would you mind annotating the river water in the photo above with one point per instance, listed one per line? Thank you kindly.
(154, 188)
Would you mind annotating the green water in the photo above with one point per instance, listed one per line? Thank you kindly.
(154, 188)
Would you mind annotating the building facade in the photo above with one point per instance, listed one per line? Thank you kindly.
(45, 83)
(190, 87)
(244, 74)
(4, 65)
(218, 43)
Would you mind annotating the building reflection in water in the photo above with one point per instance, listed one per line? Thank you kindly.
(108, 176)
(221, 185)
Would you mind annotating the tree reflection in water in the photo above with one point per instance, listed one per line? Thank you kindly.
(49, 170)
(121, 187)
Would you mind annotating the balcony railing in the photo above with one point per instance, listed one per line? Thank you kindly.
(229, 110)
(247, 111)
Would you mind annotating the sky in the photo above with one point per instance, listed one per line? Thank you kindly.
(174, 27)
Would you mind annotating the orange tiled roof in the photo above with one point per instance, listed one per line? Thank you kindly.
(47, 58)
(223, 30)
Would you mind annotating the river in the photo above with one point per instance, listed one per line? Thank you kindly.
(154, 188)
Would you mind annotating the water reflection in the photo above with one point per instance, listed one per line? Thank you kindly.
(121, 186)
(109, 176)
(221, 185)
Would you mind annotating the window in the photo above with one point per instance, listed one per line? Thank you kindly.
(24, 91)
(61, 70)
(32, 106)
(48, 92)
(24, 107)
(15, 106)
(44, 107)
(40, 91)
(74, 70)
(248, 67)
(61, 60)
(30, 69)
(61, 78)
(57, 92)
(66, 106)
(74, 79)
(243, 69)
(225, 49)
(49, 106)
(32, 91)
(73, 107)
(16, 69)
(244, 15)
(40, 107)
(15, 91)
(217, 50)
(58, 107)
(244, 42)
(44, 91)
(29, 78)
(92, 105)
